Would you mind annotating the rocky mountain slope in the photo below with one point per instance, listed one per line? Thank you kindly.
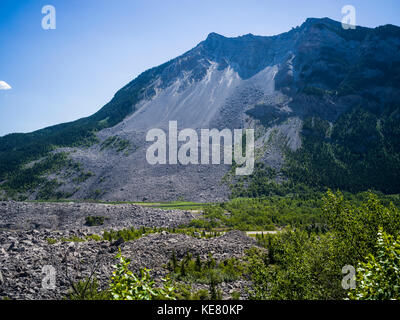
(324, 103)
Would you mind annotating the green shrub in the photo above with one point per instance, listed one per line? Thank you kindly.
(87, 290)
(378, 278)
(51, 241)
(94, 221)
(94, 237)
(185, 292)
(126, 285)
(72, 239)
(235, 295)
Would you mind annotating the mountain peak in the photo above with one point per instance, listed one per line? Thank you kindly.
(325, 20)
(214, 36)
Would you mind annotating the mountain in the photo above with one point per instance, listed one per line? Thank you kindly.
(324, 103)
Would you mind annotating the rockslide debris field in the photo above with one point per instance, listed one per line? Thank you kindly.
(24, 247)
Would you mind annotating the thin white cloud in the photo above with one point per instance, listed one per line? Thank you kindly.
(4, 85)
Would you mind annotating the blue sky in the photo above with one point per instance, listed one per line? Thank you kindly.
(100, 45)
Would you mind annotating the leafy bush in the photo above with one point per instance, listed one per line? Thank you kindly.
(378, 278)
(126, 285)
